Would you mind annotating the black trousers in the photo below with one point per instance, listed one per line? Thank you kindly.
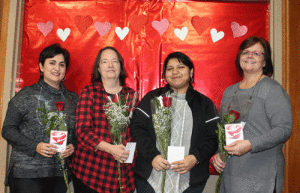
(80, 187)
(36, 185)
(142, 186)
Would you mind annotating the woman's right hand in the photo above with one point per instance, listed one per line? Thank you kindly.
(46, 149)
(119, 152)
(218, 164)
(159, 163)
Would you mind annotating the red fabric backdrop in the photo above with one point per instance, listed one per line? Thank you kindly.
(208, 32)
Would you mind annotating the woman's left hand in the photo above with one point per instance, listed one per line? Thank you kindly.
(239, 147)
(69, 151)
(185, 165)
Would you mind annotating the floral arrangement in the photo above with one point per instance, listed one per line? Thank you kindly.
(55, 120)
(162, 118)
(228, 119)
(118, 114)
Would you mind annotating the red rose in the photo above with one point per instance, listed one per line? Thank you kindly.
(236, 114)
(60, 106)
(167, 101)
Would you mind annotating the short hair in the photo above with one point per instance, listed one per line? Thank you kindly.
(181, 57)
(96, 76)
(50, 52)
(268, 69)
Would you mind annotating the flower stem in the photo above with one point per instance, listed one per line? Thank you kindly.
(119, 178)
(218, 183)
(61, 159)
(163, 181)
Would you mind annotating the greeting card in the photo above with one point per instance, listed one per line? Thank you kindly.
(59, 138)
(234, 132)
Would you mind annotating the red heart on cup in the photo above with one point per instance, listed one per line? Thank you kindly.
(234, 131)
(59, 137)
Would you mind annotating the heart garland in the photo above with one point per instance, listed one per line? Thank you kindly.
(136, 22)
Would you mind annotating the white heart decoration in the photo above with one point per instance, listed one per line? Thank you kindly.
(122, 33)
(63, 34)
(216, 36)
(181, 34)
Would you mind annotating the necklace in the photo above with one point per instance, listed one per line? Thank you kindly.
(234, 97)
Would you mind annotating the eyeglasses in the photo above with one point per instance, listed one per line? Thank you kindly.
(254, 53)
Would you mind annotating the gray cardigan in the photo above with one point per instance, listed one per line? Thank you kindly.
(23, 130)
(268, 125)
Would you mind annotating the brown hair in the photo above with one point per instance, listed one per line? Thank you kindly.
(96, 76)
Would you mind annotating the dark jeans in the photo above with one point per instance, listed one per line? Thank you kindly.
(36, 185)
(142, 186)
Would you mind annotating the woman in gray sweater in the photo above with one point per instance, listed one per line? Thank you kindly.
(256, 163)
(34, 165)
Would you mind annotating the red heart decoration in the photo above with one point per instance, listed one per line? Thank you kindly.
(200, 23)
(59, 137)
(136, 22)
(83, 22)
(234, 131)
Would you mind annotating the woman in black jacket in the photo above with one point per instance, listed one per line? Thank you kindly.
(194, 121)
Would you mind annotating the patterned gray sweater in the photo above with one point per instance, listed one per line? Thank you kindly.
(23, 130)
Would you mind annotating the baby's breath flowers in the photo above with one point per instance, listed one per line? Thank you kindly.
(162, 118)
(118, 114)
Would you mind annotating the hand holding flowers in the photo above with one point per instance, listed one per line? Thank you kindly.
(162, 117)
(220, 158)
(55, 120)
(118, 113)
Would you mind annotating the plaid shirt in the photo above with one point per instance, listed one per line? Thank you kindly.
(98, 169)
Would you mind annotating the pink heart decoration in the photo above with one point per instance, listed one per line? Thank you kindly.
(45, 28)
(59, 137)
(238, 30)
(102, 29)
(234, 131)
(161, 26)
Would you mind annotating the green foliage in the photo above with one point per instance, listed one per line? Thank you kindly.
(52, 120)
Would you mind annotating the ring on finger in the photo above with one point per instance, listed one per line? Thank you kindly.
(47, 152)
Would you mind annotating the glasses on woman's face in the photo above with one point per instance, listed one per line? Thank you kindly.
(253, 53)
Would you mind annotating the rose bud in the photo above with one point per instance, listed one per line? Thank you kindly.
(167, 101)
(236, 114)
(60, 106)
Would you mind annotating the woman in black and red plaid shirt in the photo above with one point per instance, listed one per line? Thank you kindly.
(96, 160)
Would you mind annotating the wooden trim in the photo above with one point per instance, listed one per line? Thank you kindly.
(4, 21)
(285, 82)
